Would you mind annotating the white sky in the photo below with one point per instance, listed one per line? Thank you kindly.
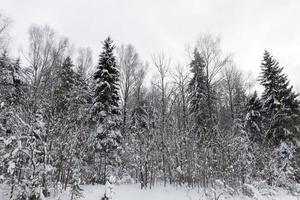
(153, 26)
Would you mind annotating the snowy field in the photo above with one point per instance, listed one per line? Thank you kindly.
(133, 192)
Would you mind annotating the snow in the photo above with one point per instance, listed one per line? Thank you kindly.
(133, 192)
(11, 167)
(109, 190)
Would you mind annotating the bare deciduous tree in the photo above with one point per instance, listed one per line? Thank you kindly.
(181, 79)
(231, 77)
(129, 63)
(5, 23)
(84, 61)
(215, 60)
(162, 65)
(45, 56)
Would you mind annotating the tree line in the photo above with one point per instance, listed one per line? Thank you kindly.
(64, 122)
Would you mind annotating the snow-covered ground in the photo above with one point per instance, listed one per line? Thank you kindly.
(133, 192)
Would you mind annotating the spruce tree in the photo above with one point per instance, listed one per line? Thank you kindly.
(281, 117)
(253, 118)
(201, 131)
(239, 101)
(198, 94)
(281, 111)
(254, 129)
(66, 81)
(106, 111)
(12, 124)
(106, 97)
(239, 107)
(10, 83)
(243, 150)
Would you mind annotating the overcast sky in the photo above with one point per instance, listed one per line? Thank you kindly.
(153, 26)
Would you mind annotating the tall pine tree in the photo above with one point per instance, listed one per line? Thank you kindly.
(65, 85)
(198, 94)
(200, 115)
(254, 118)
(281, 119)
(281, 108)
(106, 111)
(10, 83)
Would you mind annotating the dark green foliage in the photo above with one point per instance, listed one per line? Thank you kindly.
(280, 104)
(239, 101)
(198, 94)
(106, 96)
(10, 84)
(254, 118)
(66, 81)
(105, 109)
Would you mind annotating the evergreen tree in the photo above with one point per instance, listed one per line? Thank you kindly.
(281, 110)
(10, 83)
(66, 81)
(198, 94)
(105, 111)
(106, 97)
(244, 152)
(253, 118)
(239, 101)
(254, 129)
(281, 117)
(202, 131)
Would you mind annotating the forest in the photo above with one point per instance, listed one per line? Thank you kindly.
(65, 121)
